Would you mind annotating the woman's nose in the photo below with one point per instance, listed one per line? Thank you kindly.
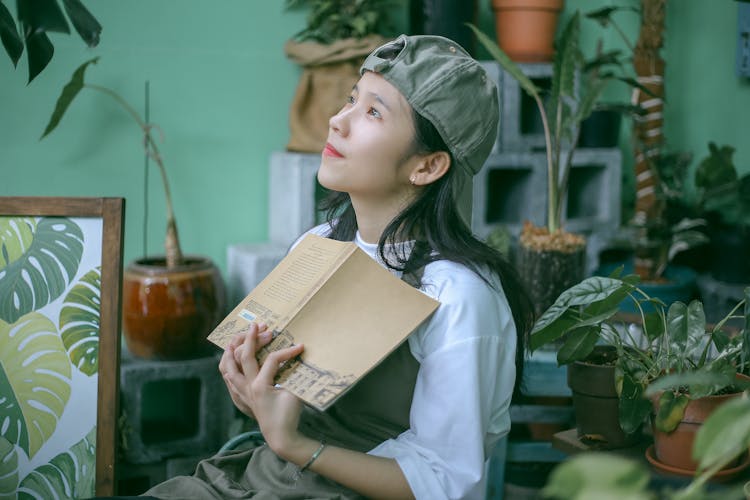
(340, 122)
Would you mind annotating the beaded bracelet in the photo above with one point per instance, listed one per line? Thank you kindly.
(314, 457)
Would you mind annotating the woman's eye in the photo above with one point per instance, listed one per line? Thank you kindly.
(350, 99)
(374, 112)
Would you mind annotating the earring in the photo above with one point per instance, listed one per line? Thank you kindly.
(412, 179)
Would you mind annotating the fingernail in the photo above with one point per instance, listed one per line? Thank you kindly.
(265, 335)
(262, 326)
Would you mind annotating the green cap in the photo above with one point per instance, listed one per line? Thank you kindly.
(444, 84)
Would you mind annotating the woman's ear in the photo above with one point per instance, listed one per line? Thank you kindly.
(430, 168)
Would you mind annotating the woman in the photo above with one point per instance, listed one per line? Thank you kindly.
(418, 124)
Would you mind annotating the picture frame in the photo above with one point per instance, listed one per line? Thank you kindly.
(71, 313)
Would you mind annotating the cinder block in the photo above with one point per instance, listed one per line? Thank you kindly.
(248, 264)
(292, 198)
(173, 408)
(520, 123)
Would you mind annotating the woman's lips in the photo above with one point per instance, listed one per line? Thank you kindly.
(331, 151)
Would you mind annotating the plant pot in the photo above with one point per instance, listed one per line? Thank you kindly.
(168, 313)
(600, 130)
(526, 28)
(675, 449)
(596, 402)
(547, 273)
(679, 284)
(446, 18)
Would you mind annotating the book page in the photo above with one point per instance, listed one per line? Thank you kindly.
(287, 287)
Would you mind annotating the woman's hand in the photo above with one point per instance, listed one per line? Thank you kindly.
(251, 386)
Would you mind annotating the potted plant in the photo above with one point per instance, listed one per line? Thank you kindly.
(338, 36)
(723, 197)
(172, 302)
(550, 258)
(525, 29)
(674, 359)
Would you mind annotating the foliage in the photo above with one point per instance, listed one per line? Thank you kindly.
(575, 89)
(70, 91)
(723, 437)
(672, 350)
(331, 20)
(36, 18)
(720, 189)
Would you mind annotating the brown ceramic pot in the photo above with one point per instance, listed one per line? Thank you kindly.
(526, 28)
(168, 313)
(596, 402)
(675, 448)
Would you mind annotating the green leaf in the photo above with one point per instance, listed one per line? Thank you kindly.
(41, 15)
(69, 92)
(507, 64)
(9, 35)
(699, 382)
(553, 330)
(45, 269)
(71, 474)
(633, 406)
(746, 330)
(85, 24)
(39, 51)
(8, 469)
(598, 475)
(79, 322)
(34, 380)
(671, 410)
(724, 435)
(579, 344)
(654, 325)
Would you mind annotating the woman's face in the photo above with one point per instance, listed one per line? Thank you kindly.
(368, 153)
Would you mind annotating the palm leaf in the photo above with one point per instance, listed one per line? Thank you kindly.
(70, 474)
(69, 92)
(34, 278)
(34, 381)
(79, 322)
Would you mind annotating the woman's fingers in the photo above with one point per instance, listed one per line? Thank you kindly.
(270, 367)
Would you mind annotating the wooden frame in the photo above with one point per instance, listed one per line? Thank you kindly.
(111, 212)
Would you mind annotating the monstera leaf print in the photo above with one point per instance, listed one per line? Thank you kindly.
(70, 474)
(38, 259)
(8, 469)
(79, 322)
(34, 381)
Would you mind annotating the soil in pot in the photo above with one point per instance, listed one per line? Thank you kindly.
(168, 313)
(596, 402)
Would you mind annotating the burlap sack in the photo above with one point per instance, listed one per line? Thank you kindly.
(329, 73)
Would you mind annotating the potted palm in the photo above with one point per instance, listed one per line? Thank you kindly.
(170, 302)
(666, 366)
(550, 258)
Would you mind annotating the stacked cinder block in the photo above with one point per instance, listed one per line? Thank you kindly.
(512, 186)
(174, 413)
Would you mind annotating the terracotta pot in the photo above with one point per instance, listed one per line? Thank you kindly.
(526, 28)
(168, 313)
(675, 449)
(595, 400)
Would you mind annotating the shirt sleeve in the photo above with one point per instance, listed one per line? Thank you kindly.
(460, 405)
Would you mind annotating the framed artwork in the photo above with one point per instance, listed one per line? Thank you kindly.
(60, 280)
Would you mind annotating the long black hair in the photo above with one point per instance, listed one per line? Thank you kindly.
(432, 220)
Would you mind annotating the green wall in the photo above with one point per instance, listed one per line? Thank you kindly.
(220, 91)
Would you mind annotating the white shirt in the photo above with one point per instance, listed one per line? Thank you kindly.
(459, 410)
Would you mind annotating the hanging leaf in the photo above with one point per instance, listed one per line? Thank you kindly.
(9, 35)
(39, 52)
(41, 15)
(44, 271)
(69, 92)
(71, 474)
(34, 381)
(8, 469)
(671, 410)
(79, 322)
(85, 24)
(579, 344)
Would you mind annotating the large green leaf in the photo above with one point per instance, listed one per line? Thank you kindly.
(85, 24)
(671, 410)
(70, 474)
(598, 475)
(633, 407)
(9, 35)
(45, 269)
(16, 236)
(686, 328)
(34, 381)
(69, 92)
(8, 469)
(80, 323)
(724, 435)
(579, 344)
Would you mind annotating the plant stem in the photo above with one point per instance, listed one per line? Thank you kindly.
(552, 225)
(172, 241)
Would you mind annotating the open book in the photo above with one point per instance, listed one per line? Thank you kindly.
(347, 310)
